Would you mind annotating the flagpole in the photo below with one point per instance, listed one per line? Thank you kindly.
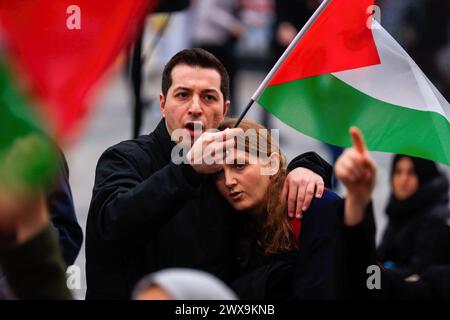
(283, 57)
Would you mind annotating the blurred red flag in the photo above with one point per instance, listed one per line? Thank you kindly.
(63, 47)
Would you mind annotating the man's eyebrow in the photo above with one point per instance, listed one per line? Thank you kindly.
(182, 88)
(210, 91)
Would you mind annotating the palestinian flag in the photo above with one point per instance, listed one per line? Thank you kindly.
(344, 69)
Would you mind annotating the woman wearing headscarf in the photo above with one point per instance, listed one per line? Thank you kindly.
(418, 233)
(358, 176)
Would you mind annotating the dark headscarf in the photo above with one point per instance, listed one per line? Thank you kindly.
(433, 189)
(425, 170)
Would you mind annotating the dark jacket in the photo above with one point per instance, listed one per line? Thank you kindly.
(418, 233)
(308, 273)
(148, 213)
(62, 213)
(359, 248)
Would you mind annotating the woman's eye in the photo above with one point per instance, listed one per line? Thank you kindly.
(240, 166)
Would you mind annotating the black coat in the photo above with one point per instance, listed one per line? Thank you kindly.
(359, 253)
(418, 233)
(148, 214)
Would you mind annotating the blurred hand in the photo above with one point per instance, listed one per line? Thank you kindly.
(23, 211)
(208, 153)
(28, 165)
(22, 216)
(357, 171)
(299, 189)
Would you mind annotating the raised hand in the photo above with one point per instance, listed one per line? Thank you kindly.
(357, 171)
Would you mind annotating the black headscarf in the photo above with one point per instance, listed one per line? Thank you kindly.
(425, 170)
(433, 189)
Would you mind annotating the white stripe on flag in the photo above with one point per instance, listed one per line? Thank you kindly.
(397, 80)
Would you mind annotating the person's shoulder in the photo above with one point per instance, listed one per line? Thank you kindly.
(438, 218)
(132, 145)
(329, 200)
(137, 148)
(323, 213)
(330, 196)
(329, 203)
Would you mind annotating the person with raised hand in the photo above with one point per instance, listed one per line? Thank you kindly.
(357, 171)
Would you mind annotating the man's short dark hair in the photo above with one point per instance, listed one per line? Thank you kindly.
(196, 57)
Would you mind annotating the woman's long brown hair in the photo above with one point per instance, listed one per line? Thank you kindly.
(276, 232)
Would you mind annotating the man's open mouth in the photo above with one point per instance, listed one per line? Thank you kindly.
(194, 126)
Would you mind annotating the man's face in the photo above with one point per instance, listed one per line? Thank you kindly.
(194, 98)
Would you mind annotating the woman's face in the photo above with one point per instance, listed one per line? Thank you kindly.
(243, 185)
(404, 180)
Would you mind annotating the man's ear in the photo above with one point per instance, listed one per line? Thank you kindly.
(226, 106)
(162, 104)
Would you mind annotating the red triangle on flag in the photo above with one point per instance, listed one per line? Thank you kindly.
(340, 39)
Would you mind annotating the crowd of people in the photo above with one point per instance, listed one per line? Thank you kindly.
(252, 224)
(245, 225)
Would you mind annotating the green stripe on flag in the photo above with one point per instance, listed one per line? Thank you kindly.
(27, 157)
(325, 107)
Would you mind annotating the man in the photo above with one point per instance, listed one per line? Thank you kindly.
(148, 213)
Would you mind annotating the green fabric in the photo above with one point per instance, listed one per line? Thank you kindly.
(325, 107)
(26, 154)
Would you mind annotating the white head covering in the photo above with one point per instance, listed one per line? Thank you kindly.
(186, 284)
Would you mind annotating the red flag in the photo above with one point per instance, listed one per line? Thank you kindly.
(64, 46)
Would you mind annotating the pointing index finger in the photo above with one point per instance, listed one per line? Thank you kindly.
(358, 140)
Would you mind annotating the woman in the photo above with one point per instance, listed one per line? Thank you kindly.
(275, 259)
(418, 233)
(357, 171)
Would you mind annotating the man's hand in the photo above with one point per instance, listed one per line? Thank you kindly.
(208, 153)
(357, 171)
(299, 189)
